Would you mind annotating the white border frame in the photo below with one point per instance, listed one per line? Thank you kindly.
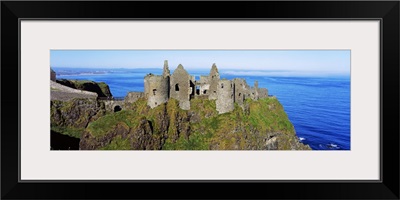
(362, 37)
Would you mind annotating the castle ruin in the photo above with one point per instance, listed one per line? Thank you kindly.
(183, 87)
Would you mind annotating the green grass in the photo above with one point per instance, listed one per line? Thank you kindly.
(268, 114)
(118, 143)
(232, 130)
(70, 131)
(104, 88)
(107, 123)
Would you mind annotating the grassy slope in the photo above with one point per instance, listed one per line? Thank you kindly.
(233, 130)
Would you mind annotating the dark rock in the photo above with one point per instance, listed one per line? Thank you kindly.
(75, 113)
(101, 88)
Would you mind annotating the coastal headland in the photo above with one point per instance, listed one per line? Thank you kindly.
(174, 112)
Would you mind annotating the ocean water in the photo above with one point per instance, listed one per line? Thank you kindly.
(318, 107)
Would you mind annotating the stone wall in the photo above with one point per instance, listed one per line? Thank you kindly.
(133, 96)
(166, 71)
(180, 87)
(262, 92)
(241, 90)
(183, 87)
(204, 85)
(213, 80)
(225, 96)
(253, 94)
(156, 89)
(113, 105)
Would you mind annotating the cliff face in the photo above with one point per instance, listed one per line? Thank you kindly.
(100, 88)
(260, 125)
(72, 117)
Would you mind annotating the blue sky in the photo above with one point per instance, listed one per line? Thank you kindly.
(295, 61)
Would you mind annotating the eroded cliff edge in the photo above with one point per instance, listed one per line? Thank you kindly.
(258, 125)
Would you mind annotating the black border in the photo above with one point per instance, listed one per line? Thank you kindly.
(386, 11)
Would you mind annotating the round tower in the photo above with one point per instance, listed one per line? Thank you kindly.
(156, 89)
(225, 96)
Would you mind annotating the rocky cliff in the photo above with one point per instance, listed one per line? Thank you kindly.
(72, 117)
(258, 125)
(100, 88)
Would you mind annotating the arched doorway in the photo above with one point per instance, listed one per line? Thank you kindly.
(117, 108)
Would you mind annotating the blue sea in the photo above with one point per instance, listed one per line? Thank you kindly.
(318, 107)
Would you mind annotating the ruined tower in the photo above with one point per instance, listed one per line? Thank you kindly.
(166, 72)
(213, 80)
(156, 89)
(181, 88)
(241, 90)
(225, 96)
(254, 91)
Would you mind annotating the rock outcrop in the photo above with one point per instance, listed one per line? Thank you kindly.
(258, 125)
(72, 117)
(100, 88)
(64, 93)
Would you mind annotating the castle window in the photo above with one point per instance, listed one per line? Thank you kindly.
(222, 85)
(154, 91)
(177, 87)
(240, 94)
(215, 91)
(205, 92)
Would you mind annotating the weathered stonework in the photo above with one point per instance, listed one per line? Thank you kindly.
(113, 105)
(156, 89)
(184, 87)
(213, 80)
(241, 90)
(204, 86)
(133, 97)
(262, 93)
(225, 96)
(166, 72)
(254, 91)
(181, 87)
